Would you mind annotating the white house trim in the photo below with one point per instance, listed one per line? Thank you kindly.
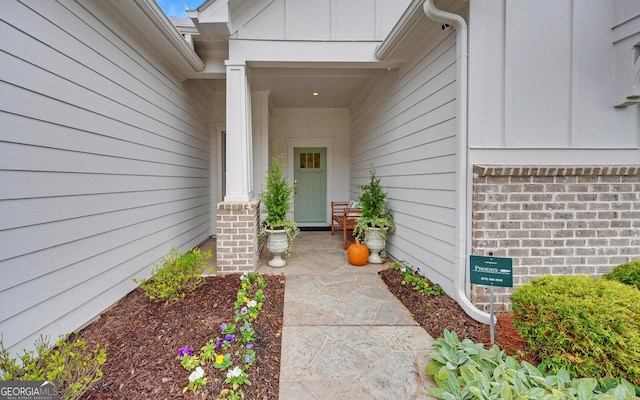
(263, 52)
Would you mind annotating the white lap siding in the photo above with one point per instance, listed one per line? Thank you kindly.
(104, 165)
(405, 128)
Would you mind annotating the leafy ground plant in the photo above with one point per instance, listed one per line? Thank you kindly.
(72, 364)
(177, 275)
(418, 282)
(590, 327)
(466, 370)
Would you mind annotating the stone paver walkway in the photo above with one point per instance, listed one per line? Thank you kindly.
(345, 336)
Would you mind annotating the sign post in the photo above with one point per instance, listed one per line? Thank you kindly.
(491, 271)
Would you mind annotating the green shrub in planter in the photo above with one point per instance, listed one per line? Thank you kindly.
(277, 198)
(590, 327)
(628, 273)
(376, 211)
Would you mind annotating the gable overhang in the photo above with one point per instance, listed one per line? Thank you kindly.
(212, 20)
(156, 28)
(416, 23)
(407, 22)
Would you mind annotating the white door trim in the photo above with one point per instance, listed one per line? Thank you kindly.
(292, 143)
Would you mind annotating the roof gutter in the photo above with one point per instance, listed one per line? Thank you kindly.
(179, 44)
(462, 216)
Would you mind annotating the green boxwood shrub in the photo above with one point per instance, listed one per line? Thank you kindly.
(628, 273)
(590, 327)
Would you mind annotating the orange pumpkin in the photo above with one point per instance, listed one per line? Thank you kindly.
(358, 254)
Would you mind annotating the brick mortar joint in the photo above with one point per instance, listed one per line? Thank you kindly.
(252, 205)
(556, 170)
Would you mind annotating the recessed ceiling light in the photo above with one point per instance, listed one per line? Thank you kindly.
(315, 93)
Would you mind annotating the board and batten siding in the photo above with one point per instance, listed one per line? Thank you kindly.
(542, 79)
(318, 19)
(405, 128)
(104, 165)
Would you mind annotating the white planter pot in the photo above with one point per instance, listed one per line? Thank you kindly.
(277, 243)
(375, 242)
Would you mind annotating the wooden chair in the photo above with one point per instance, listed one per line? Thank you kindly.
(344, 217)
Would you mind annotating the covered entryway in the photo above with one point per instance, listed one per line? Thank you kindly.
(284, 76)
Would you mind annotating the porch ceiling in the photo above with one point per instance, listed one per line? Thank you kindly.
(295, 87)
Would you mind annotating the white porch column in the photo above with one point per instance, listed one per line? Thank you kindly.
(239, 136)
(238, 216)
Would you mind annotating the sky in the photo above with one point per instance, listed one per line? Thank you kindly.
(175, 8)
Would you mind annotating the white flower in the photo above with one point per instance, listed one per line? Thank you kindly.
(197, 374)
(252, 304)
(243, 276)
(403, 269)
(234, 373)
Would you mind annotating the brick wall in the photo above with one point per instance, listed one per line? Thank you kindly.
(554, 220)
(237, 236)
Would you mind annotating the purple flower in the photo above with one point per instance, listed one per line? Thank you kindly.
(243, 310)
(247, 328)
(249, 346)
(417, 270)
(185, 351)
(248, 358)
(228, 337)
(218, 343)
(223, 326)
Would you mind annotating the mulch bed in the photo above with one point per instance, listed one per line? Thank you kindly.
(143, 340)
(143, 337)
(445, 313)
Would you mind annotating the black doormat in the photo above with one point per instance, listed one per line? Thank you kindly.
(315, 228)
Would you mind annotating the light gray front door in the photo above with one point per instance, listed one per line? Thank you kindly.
(310, 175)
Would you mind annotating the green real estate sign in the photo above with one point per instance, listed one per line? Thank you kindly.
(491, 271)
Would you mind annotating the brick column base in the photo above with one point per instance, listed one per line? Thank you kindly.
(237, 236)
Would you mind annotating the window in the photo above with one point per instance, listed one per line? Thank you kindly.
(309, 160)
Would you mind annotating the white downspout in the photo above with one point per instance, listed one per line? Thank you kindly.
(460, 274)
